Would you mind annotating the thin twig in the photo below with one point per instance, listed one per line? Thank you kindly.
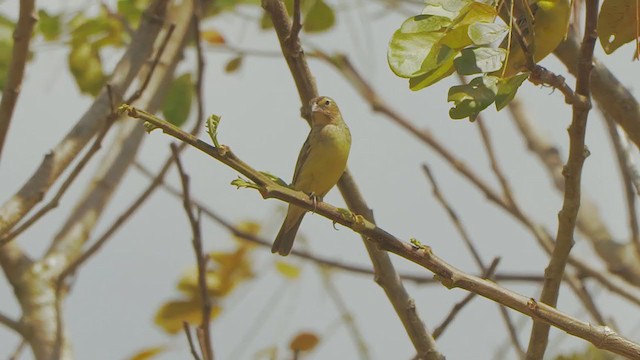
(603, 337)
(345, 313)
(495, 166)
(590, 224)
(56, 162)
(12, 324)
(187, 331)
(237, 232)
(462, 303)
(201, 258)
(572, 173)
(611, 95)
(476, 254)
(626, 174)
(16, 353)
(55, 201)
(15, 73)
(296, 24)
(386, 275)
(97, 144)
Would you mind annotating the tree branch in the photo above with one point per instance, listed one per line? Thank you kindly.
(572, 173)
(19, 57)
(612, 97)
(55, 162)
(12, 324)
(201, 258)
(386, 275)
(600, 336)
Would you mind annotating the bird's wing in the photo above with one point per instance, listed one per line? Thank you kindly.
(302, 158)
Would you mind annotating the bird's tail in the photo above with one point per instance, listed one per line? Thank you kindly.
(287, 234)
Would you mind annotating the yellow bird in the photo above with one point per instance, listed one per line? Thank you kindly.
(321, 162)
(550, 22)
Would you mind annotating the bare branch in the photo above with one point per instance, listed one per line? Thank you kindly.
(460, 305)
(237, 232)
(386, 274)
(602, 337)
(572, 173)
(624, 166)
(611, 95)
(192, 347)
(54, 163)
(12, 324)
(19, 57)
(201, 258)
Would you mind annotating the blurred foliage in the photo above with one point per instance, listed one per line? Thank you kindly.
(304, 341)
(149, 353)
(225, 272)
(590, 353)
(177, 105)
(6, 47)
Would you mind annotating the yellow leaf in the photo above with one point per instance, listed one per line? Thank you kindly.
(287, 270)
(304, 341)
(149, 353)
(172, 314)
(213, 37)
(189, 282)
(618, 23)
(249, 227)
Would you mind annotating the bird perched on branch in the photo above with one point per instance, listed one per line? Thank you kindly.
(322, 160)
(550, 21)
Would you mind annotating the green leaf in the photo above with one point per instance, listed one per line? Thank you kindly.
(49, 26)
(86, 66)
(469, 99)
(458, 37)
(132, 10)
(320, 17)
(445, 8)
(439, 55)
(422, 81)
(479, 60)
(265, 21)
(483, 33)
(424, 23)
(6, 47)
(177, 105)
(407, 52)
(507, 89)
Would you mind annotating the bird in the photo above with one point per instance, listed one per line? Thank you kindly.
(321, 162)
(550, 22)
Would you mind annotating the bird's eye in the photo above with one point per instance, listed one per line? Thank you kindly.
(327, 102)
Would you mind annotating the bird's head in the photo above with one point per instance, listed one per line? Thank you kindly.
(323, 110)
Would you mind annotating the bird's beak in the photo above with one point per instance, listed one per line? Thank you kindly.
(315, 107)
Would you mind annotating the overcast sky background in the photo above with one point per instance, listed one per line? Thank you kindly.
(110, 311)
